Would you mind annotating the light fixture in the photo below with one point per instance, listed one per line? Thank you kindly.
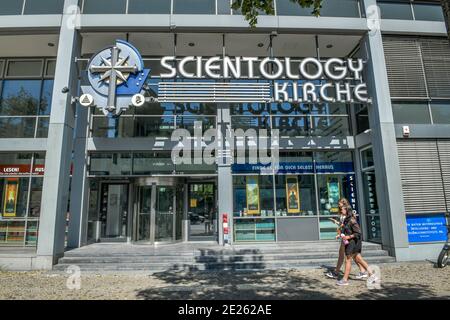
(191, 44)
(329, 46)
(260, 44)
(50, 44)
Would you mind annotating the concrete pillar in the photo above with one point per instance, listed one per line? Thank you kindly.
(225, 179)
(55, 191)
(79, 204)
(387, 167)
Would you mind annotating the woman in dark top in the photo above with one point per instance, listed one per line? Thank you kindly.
(352, 234)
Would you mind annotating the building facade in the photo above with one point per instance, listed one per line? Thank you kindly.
(71, 175)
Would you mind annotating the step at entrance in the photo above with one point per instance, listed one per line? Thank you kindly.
(189, 257)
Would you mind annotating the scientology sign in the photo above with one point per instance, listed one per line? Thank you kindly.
(312, 81)
(117, 79)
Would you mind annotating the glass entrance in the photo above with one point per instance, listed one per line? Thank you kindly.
(158, 216)
(202, 211)
(114, 210)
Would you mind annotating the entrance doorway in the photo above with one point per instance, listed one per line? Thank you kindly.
(159, 211)
(202, 211)
(114, 211)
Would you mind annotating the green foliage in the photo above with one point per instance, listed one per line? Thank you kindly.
(250, 9)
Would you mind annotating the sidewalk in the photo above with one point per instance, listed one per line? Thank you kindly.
(398, 281)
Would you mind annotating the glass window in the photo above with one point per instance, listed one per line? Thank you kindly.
(194, 6)
(104, 127)
(440, 112)
(154, 126)
(253, 196)
(104, 6)
(411, 113)
(301, 195)
(389, 10)
(10, 7)
(223, 7)
(44, 7)
(430, 12)
(110, 164)
(15, 163)
(17, 127)
(28, 68)
(146, 6)
(152, 162)
(330, 126)
(367, 158)
(1, 69)
(14, 197)
(341, 8)
(291, 126)
(362, 119)
(331, 189)
(34, 209)
(46, 97)
(288, 8)
(51, 66)
(39, 163)
(332, 162)
(42, 127)
(20, 97)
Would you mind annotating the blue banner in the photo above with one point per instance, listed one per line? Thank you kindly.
(296, 167)
(426, 228)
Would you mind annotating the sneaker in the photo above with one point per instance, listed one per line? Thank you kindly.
(342, 283)
(362, 275)
(332, 274)
(372, 279)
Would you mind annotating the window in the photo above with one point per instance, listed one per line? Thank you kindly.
(430, 12)
(110, 164)
(440, 112)
(295, 195)
(44, 7)
(24, 68)
(223, 7)
(194, 6)
(367, 158)
(104, 6)
(341, 8)
(146, 6)
(414, 113)
(394, 10)
(11, 7)
(20, 202)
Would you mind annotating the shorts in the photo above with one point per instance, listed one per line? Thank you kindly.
(353, 247)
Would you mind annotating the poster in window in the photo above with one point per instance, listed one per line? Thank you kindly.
(252, 192)
(334, 194)
(292, 195)
(10, 203)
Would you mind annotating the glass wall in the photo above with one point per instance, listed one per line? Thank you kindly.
(411, 10)
(142, 164)
(25, 98)
(372, 212)
(421, 112)
(307, 184)
(21, 179)
(17, 7)
(343, 8)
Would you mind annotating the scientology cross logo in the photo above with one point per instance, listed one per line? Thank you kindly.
(116, 76)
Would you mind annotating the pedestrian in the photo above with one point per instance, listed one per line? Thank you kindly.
(335, 273)
(353, 244)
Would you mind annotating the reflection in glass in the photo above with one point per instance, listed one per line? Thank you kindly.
(104, 6)
(149, 7)
(429, 12)
(20, 97)
(406, 112)
(194, 7)
(11, 7)
(440, 112)
(390, 10)
(17, 127)
(44, 7)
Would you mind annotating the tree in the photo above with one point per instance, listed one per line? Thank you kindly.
(250, 9)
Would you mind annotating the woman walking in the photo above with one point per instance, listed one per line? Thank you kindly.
(353, 245)
(344, 204)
